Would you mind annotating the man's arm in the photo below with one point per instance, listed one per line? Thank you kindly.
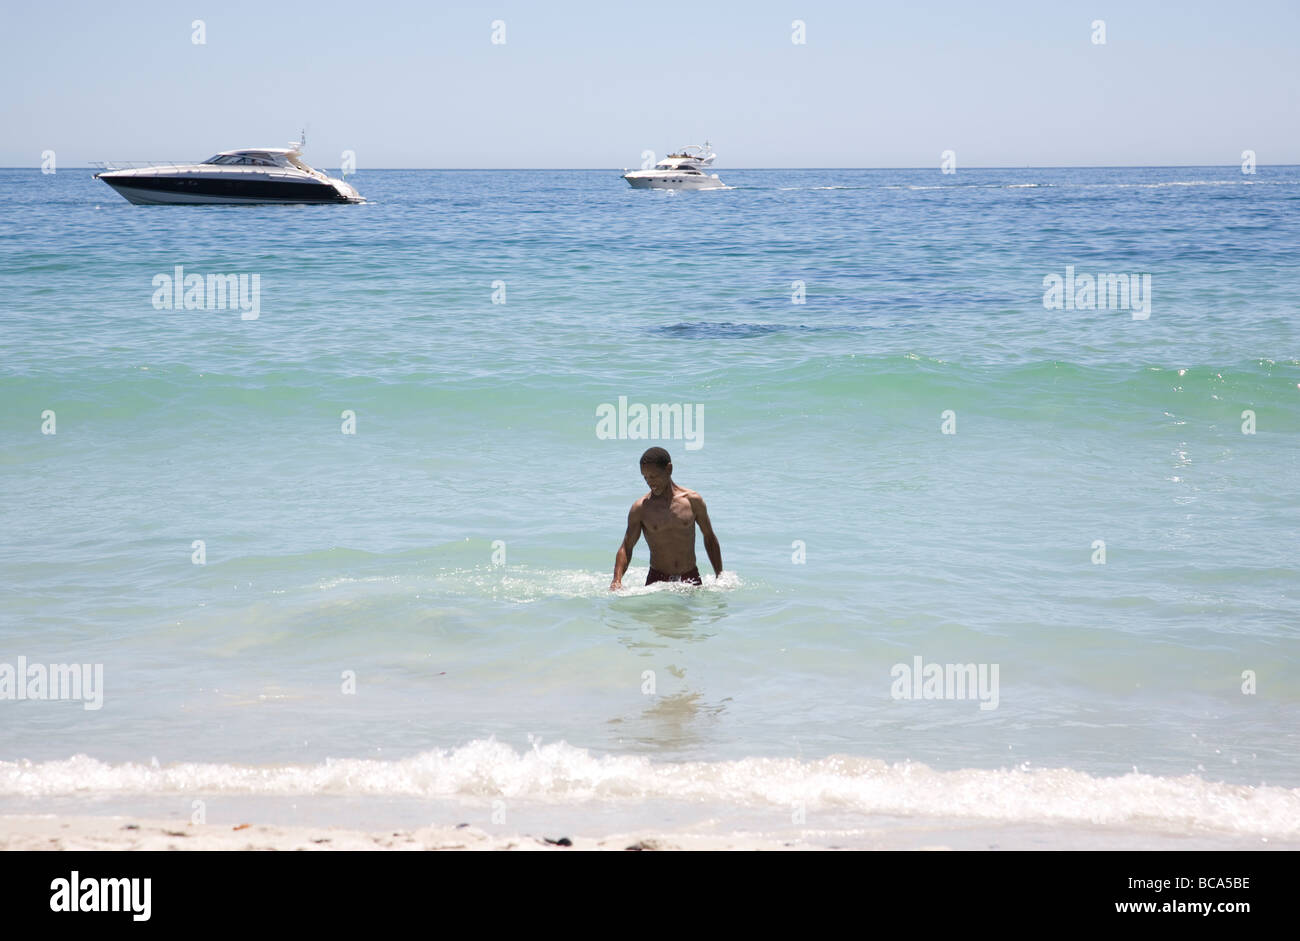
(624, 557)
(706, 530)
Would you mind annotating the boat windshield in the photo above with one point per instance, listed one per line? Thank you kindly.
(242, 160)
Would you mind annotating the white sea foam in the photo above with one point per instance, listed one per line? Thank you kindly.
(562, 773)
(524, 585)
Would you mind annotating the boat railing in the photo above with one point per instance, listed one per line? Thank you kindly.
(105, 165)
(138, 164)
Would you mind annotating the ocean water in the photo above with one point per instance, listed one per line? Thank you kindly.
(417, 615)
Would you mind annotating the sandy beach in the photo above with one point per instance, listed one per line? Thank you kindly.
(127, 833)
(47, 832)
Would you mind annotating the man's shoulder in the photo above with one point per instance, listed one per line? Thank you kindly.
(639, 503)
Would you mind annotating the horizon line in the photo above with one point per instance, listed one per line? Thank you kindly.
(1096, 166)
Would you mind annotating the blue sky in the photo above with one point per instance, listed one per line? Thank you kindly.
(576, 84)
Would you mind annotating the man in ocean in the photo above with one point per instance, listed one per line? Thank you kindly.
(668, 515)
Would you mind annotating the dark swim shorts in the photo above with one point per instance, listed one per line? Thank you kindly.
(691, 578)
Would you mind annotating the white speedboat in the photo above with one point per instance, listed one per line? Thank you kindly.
(684, 170)
(268, 175)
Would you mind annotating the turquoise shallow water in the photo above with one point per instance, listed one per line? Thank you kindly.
(377, 553)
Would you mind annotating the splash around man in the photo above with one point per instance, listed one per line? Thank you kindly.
(668, 515)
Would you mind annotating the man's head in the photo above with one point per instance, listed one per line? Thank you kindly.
(657, 469)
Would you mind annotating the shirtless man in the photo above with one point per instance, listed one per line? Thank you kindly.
(668, 515)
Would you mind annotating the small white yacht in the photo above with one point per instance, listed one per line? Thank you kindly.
(684, 170)
(267, 175)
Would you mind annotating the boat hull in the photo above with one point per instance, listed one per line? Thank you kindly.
(196, 190)
(670, 182)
